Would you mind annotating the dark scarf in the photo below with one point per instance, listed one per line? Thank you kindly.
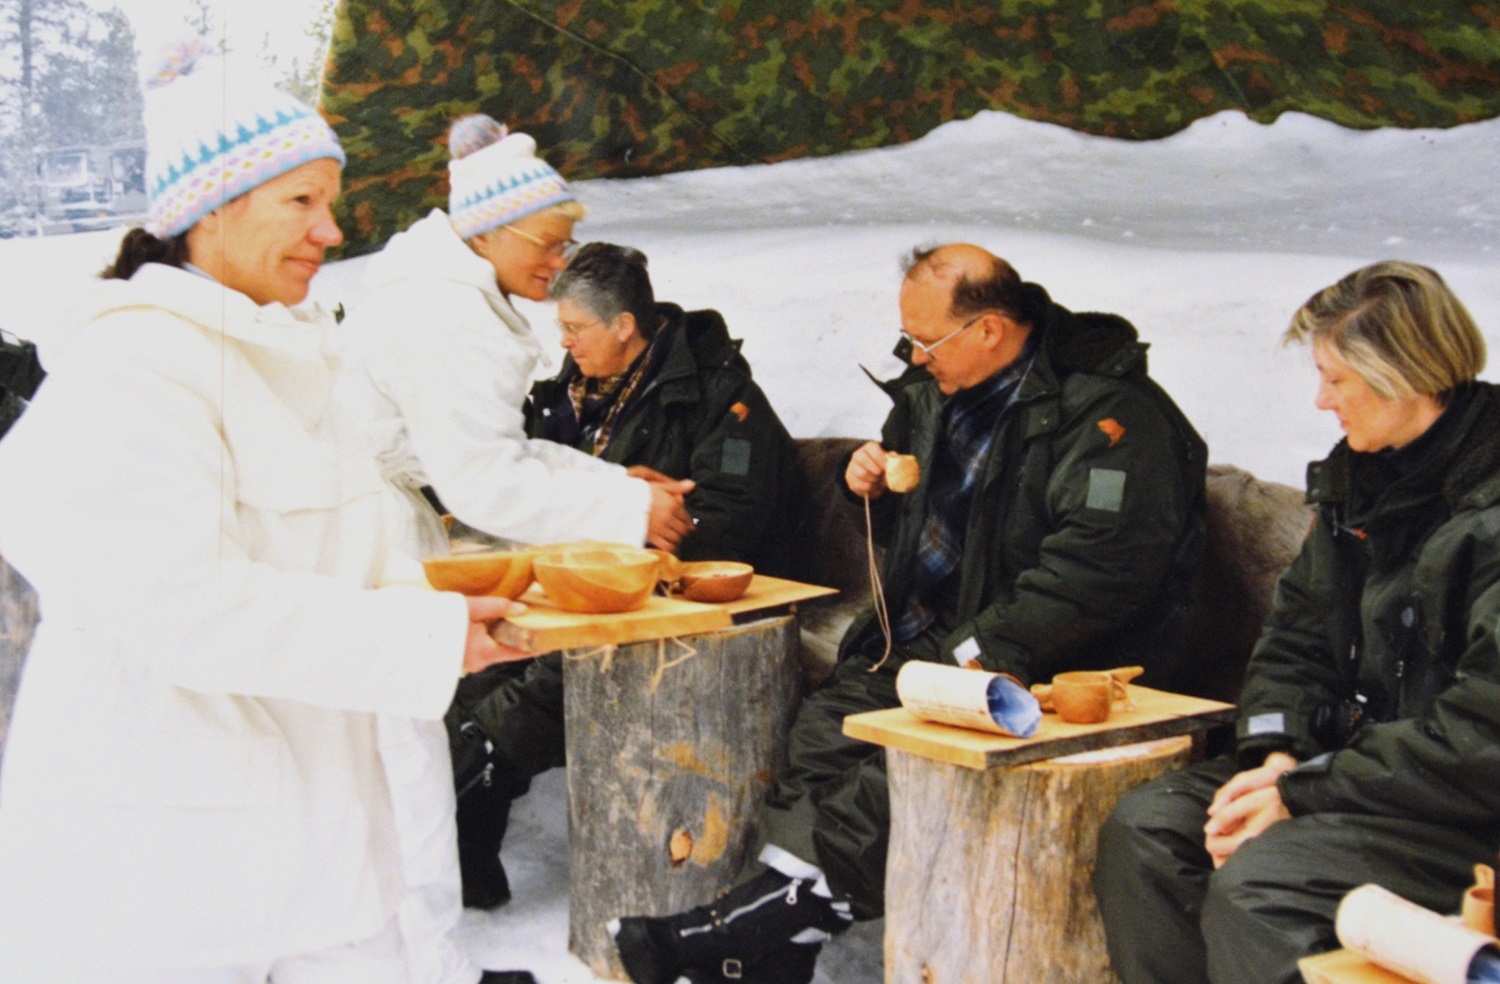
(965, 432)
(599, 403)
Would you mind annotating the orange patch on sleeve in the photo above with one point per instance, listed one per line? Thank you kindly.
(741, 411)
(1112, 429)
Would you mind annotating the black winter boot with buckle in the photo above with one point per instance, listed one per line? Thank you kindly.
(789, 963)
(727, 936)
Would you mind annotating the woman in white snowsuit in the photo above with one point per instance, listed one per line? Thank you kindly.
(193, 790)
(441, 362)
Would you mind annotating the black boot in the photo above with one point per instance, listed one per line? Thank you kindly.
(790, 963)
(507, 977)
(483, 815)
(743, 925)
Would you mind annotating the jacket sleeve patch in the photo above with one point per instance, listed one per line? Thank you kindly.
(1112, 429)
(740, 411)
(1106, 489)
(1266, 724)
(736, 458)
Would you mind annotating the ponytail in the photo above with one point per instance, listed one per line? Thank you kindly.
(140, 247)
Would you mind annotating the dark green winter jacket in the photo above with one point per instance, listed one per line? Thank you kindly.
(1088, 525)
(699, 416)
(1379, 659)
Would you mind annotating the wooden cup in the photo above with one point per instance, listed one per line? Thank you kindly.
(1084, 696)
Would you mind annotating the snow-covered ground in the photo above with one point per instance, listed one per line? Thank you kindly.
(1207, 240)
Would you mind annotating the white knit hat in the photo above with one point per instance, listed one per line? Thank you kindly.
(496, 178)
(212, 135)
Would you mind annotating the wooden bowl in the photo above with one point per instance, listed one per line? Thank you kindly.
(715, 580)
(502, 573)
(671, 566)
(596, 580)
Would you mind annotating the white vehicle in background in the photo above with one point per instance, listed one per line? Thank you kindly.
(79, 189)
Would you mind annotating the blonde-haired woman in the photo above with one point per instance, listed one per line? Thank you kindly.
(1369, 728)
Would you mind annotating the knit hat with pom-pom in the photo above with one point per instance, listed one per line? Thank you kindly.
(495, 177)
(214, 133)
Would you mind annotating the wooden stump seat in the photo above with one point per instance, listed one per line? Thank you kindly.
(987, 879)
(666, 767)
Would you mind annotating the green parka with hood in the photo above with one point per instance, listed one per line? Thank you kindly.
(1088, 525)
(1379, 662)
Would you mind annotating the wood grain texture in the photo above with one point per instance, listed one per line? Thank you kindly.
(988, 872)
(1346, 967)
(545, 627)
(18, 620)
(666, 757)
(1154, 714)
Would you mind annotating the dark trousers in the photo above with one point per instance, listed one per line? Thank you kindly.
(519, 707)
(1171, 918)
(830, 805)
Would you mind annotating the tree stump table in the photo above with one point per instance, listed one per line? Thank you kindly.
(671, 746)
(18, 620)
(993, 839)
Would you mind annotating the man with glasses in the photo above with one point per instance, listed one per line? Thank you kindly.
(1057, 525)
(440, 362)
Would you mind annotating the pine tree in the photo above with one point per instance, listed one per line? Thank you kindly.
(67, 77)
(302, 74)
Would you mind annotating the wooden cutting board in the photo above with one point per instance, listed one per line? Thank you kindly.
(1156, 714)
(544, 628)
(1346, 967)
(773, 592)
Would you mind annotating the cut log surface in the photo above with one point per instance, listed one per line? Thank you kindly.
(1346, 967)
(671, 747)
(988, 872)
(18, 620)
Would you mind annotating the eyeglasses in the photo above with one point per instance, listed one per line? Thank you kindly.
(551, 249)
(573, 331)
(928, 349)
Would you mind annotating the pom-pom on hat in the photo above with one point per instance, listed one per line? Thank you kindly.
(213, 133)
(495, 177)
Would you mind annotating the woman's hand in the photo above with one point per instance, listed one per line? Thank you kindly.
(480, 650)
(865, 475)
(1245, 806)
(669, 522)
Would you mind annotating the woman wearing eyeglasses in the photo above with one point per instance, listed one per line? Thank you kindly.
(451, 359)
(440, 362)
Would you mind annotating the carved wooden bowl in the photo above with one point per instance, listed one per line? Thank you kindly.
(596, 580)
(715, 580)
(503, 573)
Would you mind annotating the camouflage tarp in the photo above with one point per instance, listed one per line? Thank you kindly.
(634, 87)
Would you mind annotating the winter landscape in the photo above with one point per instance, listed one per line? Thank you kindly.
(1207, 241)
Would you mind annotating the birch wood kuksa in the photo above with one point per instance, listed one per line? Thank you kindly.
(597, 580)
(902, 473)
(501, 573)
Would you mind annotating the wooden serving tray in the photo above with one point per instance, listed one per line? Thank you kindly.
(1156, 714)
(544, 627)
(1346, 967)
(773, 592)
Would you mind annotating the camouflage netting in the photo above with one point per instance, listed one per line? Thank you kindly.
(633, 87)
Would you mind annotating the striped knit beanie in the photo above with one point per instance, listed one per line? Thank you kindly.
(213, 134)
(496, 178)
